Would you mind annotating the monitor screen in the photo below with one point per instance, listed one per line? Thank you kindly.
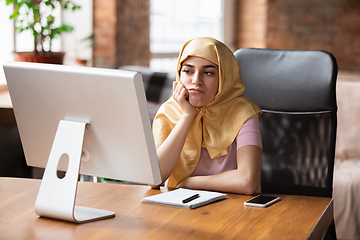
(118, 144)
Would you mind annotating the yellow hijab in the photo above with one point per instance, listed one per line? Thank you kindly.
(215, 125)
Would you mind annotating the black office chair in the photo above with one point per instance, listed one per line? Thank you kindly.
(296, 92)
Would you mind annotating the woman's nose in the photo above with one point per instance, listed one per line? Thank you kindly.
(197, 80)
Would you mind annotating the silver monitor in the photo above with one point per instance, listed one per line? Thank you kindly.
(81, 120)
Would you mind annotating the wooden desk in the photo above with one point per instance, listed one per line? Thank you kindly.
(6, 111)
(294, 217)
(5, 101)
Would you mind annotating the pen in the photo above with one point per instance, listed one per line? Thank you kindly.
(189, 199)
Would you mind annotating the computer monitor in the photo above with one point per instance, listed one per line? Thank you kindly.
(68, 113)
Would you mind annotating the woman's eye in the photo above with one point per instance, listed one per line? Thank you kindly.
(186, 70)
(209, 73)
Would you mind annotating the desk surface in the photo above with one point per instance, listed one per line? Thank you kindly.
(5, 101)
(6, 112)
(294, 217)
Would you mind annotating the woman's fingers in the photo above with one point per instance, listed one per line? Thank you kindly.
(181, 96)
(185, 93)
(179, 91)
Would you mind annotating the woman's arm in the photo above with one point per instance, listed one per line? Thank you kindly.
(169, 151)
(243, 180)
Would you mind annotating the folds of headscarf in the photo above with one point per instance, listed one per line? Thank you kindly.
(215, 125)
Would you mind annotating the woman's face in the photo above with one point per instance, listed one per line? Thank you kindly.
(201, 78)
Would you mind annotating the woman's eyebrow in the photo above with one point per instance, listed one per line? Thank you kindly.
(205, 66)
(188, 65)
(210, 66)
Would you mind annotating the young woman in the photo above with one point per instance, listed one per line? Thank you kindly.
(207, 134)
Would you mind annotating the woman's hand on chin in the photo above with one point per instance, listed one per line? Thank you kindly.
(181, 96)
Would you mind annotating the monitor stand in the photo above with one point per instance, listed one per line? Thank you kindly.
(56, 197)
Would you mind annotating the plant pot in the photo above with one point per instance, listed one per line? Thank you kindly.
(80, 62)
(46, 57)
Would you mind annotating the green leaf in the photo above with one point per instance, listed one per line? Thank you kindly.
(8, 2)
(91, 37)
(66, 28)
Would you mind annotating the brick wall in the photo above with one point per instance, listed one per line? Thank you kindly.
(251, 16)
(330, 25)
(122, 33)
(104, 27)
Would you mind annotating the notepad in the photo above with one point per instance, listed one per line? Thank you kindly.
(175, 198)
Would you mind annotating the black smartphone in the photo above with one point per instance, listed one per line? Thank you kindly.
(262, 201)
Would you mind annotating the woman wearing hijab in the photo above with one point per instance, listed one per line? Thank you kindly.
(207, 134)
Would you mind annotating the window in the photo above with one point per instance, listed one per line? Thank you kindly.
(7, 41)
(172, 23)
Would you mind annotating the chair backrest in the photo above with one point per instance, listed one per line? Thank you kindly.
(296, 91)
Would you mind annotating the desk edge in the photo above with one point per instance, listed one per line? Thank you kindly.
(323, 223)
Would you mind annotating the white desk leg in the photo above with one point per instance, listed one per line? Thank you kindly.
(56, 197)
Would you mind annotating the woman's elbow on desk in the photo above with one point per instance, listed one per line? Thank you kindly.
(247, 183)
(249, 188)
(241, 185)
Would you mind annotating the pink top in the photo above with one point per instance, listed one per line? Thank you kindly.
(249, 134)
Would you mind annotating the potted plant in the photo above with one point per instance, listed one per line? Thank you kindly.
(38, 17)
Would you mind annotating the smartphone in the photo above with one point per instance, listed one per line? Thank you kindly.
(262, 201)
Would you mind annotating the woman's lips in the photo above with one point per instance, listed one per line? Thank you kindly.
(192, 90)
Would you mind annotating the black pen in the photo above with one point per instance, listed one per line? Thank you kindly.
(189, 199)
